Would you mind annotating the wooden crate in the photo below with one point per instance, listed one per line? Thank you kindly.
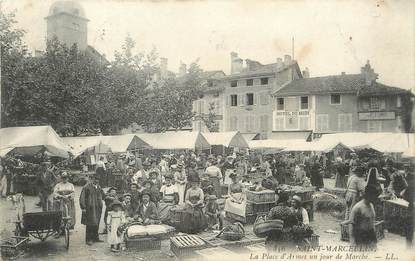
(265, 196)
(142, 244)
(185, 245)
(379, 227)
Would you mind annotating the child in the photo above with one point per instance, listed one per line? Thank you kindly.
(109, 198)
(213, 213)
(115, 219)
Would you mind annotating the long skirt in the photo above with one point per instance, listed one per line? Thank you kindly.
(58, 205)
(164, 210)
(102, 175)
(194, 220)
(238, 209)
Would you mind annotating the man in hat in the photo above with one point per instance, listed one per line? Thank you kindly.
(147, 212)
(130, 212)
(46, 183)
(362, 220)
(91, 205)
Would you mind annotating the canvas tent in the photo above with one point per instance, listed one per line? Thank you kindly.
(409, 152)
(232, 139)
(105, 144)
(178, 140)
(31, 140)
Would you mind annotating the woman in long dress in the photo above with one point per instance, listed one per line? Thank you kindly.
(194, 220)
(355, 189)
(101, 172)
(180, 181)
(341, 175)
(63, 195)
(236, 201)
(169, 198)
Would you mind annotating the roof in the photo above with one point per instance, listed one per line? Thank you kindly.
(348, 83)
(264, 70)
(33, 139)
(228, 139)
(211, 74)
(179, 140)
(116, 143)
(69, 7)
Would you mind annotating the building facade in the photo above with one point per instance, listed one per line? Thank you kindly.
(242, 99)
(341, 103)
(68, 23)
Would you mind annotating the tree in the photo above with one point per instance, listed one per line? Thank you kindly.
(210, 118)
(12, 54)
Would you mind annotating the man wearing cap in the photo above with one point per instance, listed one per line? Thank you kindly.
(147, 212)
(46, 182)
(91, 205)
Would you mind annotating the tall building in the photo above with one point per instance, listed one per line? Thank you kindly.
(341, 103)
(68, 23)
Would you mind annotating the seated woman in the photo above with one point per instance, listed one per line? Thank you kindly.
(299, 211)
(63, 195)
(169, 198)
(194, 220)
(236, 201)
(147, 211)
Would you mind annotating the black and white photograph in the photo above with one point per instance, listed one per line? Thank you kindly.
(167, 130)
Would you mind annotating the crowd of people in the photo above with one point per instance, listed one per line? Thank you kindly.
(183, 189)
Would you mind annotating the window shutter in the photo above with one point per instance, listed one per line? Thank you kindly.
(194, 106)
(255, 98)
(228, 97)
(242, 98)
(382, 103)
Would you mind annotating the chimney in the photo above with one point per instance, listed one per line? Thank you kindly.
(236, 63)
(369, 74)
(287, 59)
(252, 65)
(163, 67)
(280, 64)
(182, 69)
(306, 73)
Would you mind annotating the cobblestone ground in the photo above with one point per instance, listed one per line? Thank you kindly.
(53, 249)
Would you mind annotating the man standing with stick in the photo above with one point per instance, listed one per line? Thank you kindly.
(91, 204)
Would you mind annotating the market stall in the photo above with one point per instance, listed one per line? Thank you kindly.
(175, 141)
(223, 142)
(29, 141)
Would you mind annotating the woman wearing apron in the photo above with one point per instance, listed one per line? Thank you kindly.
(169, 199)
(236, 202)
(194, 220)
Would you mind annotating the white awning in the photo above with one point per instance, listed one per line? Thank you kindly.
(228, 139)
(179, 140)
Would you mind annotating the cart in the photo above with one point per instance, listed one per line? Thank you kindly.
(42, 225)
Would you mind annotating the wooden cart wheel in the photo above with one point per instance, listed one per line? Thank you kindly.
(66, 231)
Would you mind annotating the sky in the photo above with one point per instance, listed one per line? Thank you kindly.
(330, 36)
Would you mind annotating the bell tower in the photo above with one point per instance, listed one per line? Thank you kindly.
(67, 21)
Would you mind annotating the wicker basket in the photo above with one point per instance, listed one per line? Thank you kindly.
(13, 247)
(314, 240)
(253, 208)
(265, 196)
(142, 244)
(263, 227)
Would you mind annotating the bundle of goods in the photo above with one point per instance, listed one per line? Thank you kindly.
(139, 237)
(264, 196)
(331, 204)
(232, 232)
(263, 227)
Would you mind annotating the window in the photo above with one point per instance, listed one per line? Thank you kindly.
(280, 104)
(249, 99)
(344, 122)
(398, 101)
(322, 122)
(249, 82)
(250, 123)
(304, 103)
(374, 103)
(234, 100)
(279, 123)
(264, 81)
(234, 83)
(374, 126)
(335, 99)
(264, 98)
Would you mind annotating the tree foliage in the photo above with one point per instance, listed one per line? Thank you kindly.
(78, 94)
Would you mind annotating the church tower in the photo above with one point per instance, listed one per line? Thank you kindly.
(67, 21)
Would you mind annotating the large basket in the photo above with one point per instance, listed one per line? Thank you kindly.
(254, 208)
(265, 196)
(264, 227)
(36, 221)
(142, 244)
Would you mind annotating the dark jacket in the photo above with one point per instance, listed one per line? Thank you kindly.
(150, 213)
(91, 200)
